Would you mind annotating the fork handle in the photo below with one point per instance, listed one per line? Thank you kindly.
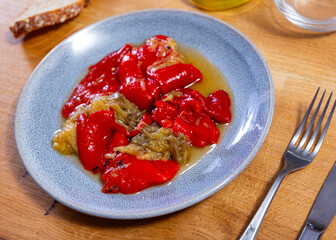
(252, 229)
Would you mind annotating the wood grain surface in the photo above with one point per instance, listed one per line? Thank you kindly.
(299, 62)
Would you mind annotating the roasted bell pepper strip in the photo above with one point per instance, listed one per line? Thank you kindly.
(133, 82)
(164, 114)
(101, 79)
(195, 124)
(186, 93)
(127, 174)
(218, 106)
(93, 138)
(200, 130)
(146, 120)
(153, 50)
(154, 88)
(191, 105)
(187, 116)
(118, 139)
(96, 136)
(168, 168)
(175, 76)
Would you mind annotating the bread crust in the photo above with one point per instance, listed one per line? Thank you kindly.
(41, 20)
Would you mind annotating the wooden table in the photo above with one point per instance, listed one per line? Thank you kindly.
(299, 61)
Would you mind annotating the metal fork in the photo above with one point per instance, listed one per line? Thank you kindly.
(296, 157)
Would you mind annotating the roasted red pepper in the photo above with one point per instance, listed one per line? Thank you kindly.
(101, 79)
(127, 174)
(196, 125)
(185, 114)
(164, 114)
(191, 105)
(155, 49)
(99, 134)
(186, 93)
(142, 74)
(218, 106)
(95, 137)
(175, 76)
(200, 130)
(154, 88)
(133, 82)
(118, 139)
(139, 78)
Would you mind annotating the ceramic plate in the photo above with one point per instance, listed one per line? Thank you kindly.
(38, 112)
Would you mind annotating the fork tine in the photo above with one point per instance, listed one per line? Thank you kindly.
(304, 138)
(304, 120)
(319, 143)
(312, 139)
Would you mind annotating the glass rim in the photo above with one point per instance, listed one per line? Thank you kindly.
(297, 19)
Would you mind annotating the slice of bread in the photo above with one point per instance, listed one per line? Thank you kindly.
(43, 13)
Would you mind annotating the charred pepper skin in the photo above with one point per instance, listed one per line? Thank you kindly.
(97, 135)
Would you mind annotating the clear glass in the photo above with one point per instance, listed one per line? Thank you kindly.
(314, 15)
(214, 5)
